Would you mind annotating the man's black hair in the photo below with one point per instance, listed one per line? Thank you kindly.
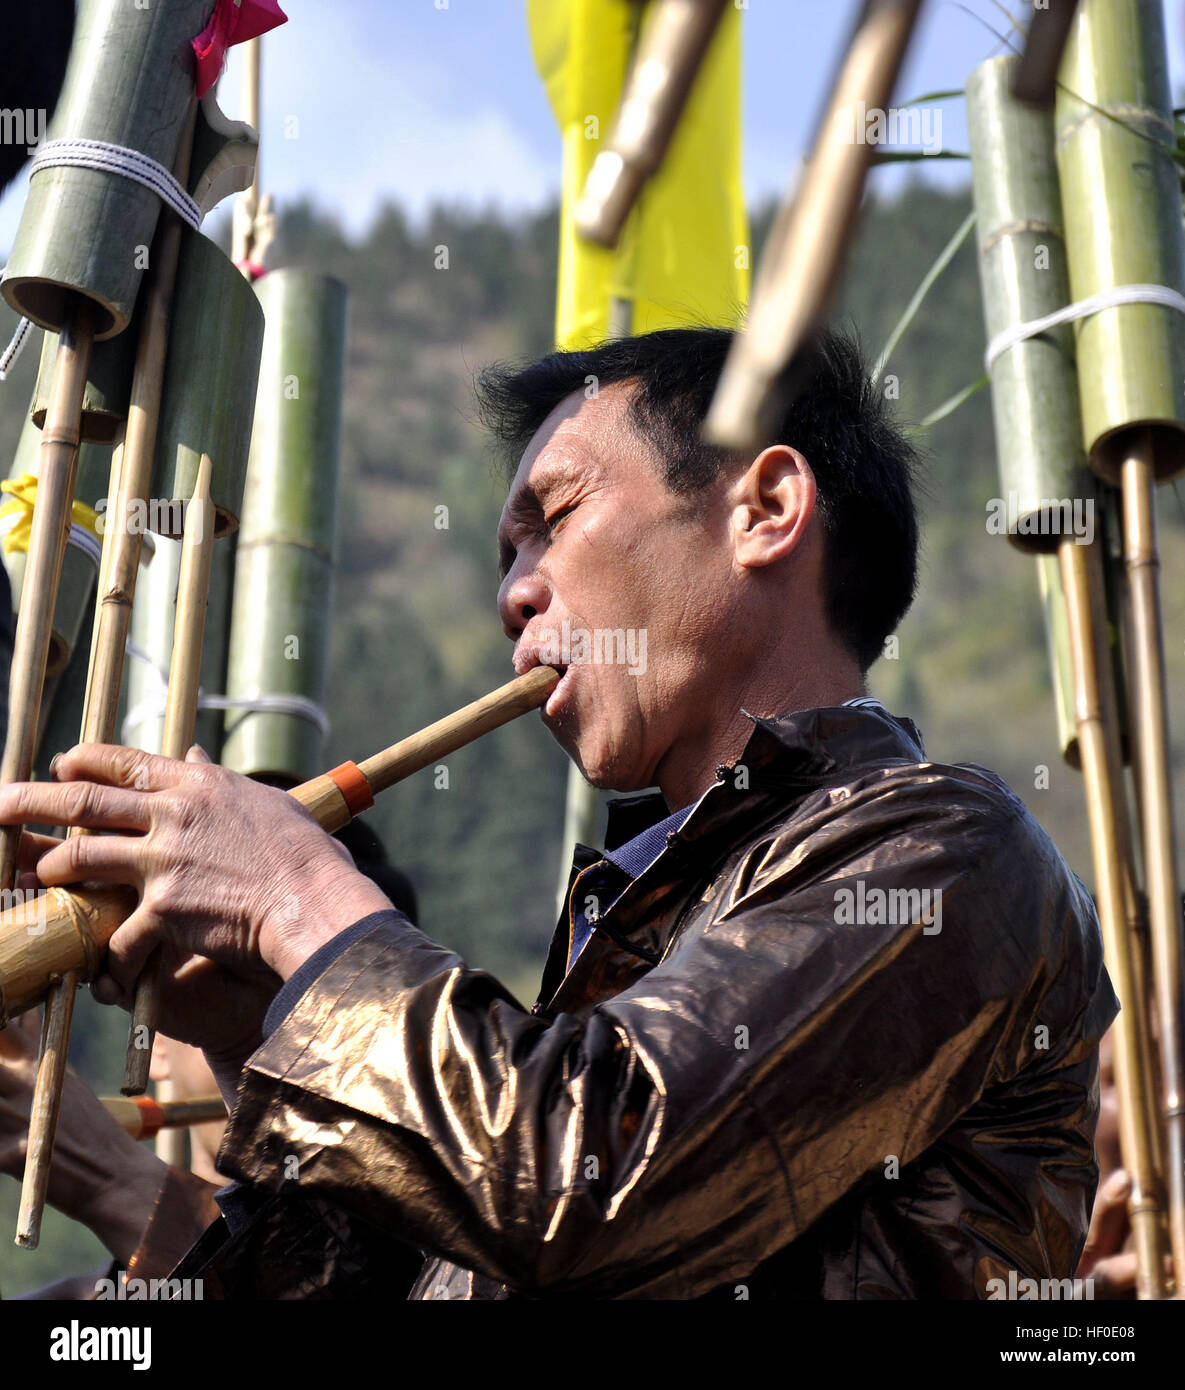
(838, 420)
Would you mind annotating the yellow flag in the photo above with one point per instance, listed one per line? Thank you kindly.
(684, 255)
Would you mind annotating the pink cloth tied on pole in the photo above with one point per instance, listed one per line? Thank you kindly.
(233, 21)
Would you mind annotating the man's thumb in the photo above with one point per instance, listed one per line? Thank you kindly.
(197, 754)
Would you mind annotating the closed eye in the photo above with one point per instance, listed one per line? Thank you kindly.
(554, 520)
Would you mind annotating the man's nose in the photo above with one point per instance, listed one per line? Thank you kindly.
(521, 597)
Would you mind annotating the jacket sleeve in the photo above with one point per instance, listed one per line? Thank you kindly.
(702, 1119)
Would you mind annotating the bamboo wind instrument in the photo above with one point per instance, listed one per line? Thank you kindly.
(810, 236)
(668, 58)
(144, 1118)
(193, 588)
(121, 561)
(1126, 243)
(68, 931)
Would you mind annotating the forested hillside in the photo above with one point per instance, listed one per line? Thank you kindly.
(416, 632)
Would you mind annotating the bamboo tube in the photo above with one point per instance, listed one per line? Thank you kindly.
(47, 544)
(671, 50)
(1116, 139)
(145, 1118)
(129, 82)
(47, 1102)
(193, 587)
(1023, 276)
(108, 386)
(1082, 578)
(1122, 199)
(80, 559)
(280, 622)
(62, 931)
(809, 240)
(1035, 78)
(1156, 805)
(208, 394)
(151, 635)
(122, 541)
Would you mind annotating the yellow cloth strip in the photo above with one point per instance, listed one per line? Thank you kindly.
(684, 255)
(23, 491)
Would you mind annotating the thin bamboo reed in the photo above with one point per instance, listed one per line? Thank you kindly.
(193, 588)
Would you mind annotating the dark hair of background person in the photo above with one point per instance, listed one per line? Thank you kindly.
(864, 466)
(33, 55)
(370, 858)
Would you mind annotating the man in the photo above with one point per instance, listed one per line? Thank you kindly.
(823, 1020)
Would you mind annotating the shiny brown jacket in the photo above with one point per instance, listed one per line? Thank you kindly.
(738, 1090)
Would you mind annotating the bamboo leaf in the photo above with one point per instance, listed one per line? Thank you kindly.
(914, 156)
(941, 96)
(944, 258)
(950, 405)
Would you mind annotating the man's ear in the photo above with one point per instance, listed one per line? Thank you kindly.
(773, 502)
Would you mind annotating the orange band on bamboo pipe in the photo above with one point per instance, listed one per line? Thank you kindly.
(152, 1117)
(356, 791)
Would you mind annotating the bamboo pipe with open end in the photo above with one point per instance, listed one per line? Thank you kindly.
(185, 670)
(65, 930)
(1098, 743)
(1146, 647)
(660, 79)
(808, 241)
(112, 615)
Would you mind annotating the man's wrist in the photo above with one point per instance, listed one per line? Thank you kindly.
(120, 1208)
(333, 899)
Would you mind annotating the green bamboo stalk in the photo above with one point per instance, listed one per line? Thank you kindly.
(1023, 276)
(129, 82)
(208, 400)
(1121, 193)
(284, 566)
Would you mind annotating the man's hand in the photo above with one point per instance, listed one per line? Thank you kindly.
(100, 1176)
(1104, 1258)
(226, 868)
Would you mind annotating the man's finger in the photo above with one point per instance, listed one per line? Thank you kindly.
(1109, 1219)
(105, 858)
(97, 807)
(117, 767)
(129, 949)
(197, 754)
(1115, 1278)
(33, 846)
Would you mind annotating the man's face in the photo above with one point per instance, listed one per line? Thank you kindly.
(593, 541)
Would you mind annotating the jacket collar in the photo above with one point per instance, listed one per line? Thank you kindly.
(804, 746)
(783, 761)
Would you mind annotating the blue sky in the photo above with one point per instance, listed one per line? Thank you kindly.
(397, 99)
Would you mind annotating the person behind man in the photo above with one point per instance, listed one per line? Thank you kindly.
(821, 1022)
